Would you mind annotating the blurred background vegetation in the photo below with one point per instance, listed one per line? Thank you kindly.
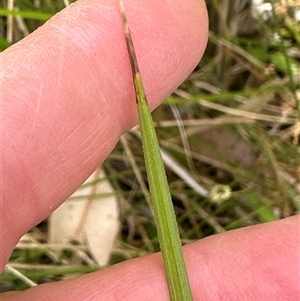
(230, 135)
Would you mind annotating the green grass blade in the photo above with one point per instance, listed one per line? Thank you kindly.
(26, 14)
(165, 218)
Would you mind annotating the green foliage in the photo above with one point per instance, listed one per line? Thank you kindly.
(235, 122)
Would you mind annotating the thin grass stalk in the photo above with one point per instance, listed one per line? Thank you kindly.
(167, 228)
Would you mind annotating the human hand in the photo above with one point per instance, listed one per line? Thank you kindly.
(67, 96)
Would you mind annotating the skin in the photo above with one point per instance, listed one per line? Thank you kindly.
(61, 88)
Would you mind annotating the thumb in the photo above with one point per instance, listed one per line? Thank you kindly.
(67, 96)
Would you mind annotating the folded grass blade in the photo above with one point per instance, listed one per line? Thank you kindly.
(167, 228)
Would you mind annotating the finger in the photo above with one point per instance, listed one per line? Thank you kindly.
(67, 96)
(257, 263)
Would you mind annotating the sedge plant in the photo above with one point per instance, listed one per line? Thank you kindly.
(164, 214)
